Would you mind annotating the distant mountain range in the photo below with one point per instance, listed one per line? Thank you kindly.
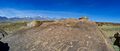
(2, 18)
(6, 19)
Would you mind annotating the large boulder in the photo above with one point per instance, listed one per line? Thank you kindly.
(66, 35)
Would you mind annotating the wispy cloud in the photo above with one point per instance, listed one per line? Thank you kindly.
(14, 12)
(21, 13)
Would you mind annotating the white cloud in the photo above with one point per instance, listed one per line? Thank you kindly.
(21, 13)
(13, 12)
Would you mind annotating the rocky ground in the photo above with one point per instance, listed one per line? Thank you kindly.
(65, 35)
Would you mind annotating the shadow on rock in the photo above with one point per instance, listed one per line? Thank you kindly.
(4, 46)
(117, 41)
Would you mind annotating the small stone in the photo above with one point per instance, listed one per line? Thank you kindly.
(89, 37)
(71, 43)
(71, 46)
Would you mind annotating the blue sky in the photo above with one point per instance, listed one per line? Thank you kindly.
(96, 10)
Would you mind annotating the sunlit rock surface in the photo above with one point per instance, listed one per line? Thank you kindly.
(66, 35)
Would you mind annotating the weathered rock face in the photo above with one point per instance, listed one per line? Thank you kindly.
(67, 35)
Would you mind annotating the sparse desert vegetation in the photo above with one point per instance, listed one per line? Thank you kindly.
(10, 27)
(109, 31)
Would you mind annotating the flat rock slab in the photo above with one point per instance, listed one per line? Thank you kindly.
(65, 35)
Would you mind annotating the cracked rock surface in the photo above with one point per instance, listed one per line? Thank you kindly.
(66, 35)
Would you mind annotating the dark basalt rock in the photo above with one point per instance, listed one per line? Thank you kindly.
(4, 46)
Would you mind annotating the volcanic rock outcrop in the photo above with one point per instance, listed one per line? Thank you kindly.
(66, 35)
